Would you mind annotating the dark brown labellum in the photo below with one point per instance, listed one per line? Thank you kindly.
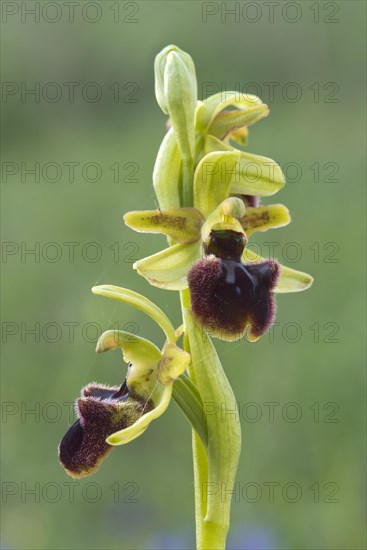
(102, 410)
(229, 298)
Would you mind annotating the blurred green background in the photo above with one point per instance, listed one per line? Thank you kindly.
(308, 371)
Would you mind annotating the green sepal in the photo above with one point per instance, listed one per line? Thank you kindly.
(140, 302)
(167, 173)
(168, 269)
(223, 172)
(213, 179)
(262, 218)
(289, 280)
(257, 175)
(182, 225)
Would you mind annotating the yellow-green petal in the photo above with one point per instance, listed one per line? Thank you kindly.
(289, 280)
(168, 269)
(262, 218)
(180, 224)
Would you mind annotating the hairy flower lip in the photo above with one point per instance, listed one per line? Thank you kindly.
(101, 411)
(229, 299)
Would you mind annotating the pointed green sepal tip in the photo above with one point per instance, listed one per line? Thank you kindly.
(291, 280)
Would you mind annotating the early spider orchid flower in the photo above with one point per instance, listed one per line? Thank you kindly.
(110, 416)
(232, 288)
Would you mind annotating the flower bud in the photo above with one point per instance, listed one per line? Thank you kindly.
(176, 93)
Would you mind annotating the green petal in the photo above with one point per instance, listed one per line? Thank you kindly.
(227, 122)
(290, 280)
(166, 173)
(168, 269)
(140, 302)
(263, 218)
(209, 109)
(180, 224)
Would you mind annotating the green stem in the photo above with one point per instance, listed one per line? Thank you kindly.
(215, 466)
